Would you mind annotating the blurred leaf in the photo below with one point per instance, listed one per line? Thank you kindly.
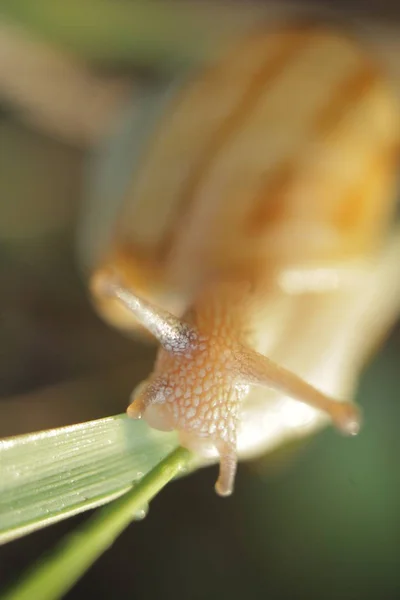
(49, 476)
(161, 34)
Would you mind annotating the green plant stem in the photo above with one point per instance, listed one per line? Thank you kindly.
(164, 35)
(53, 576)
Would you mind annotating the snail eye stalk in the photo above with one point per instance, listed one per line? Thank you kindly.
(257, 369)
(172, 333)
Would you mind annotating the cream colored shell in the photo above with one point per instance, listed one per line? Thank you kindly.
(278, 157)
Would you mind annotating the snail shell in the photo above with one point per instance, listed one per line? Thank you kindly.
(279, 156)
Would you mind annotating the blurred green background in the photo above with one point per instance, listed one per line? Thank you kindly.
(317, 521)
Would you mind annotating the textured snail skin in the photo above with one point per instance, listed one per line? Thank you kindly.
(204, 370)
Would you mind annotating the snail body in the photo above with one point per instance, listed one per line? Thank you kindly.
(263, 193)
(204, 371)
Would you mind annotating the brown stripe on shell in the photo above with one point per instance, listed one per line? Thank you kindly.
(265, 76)
(358, 210)
(349, 93)
(270, 203)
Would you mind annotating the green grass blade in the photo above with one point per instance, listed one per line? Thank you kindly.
(48, 476)
(53, 577)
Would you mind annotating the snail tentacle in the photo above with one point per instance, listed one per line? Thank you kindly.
(257, 369)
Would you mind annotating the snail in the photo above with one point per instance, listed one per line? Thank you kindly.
(258, 210)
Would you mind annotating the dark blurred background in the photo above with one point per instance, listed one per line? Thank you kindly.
(321, 520)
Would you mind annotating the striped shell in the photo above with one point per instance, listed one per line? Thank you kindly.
(278, 156)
